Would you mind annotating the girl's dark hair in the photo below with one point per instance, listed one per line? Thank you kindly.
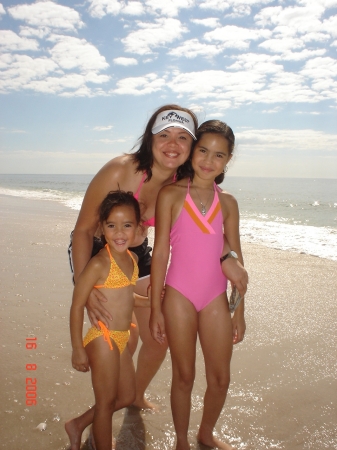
(118, 198)
(210, 126)
(143, 156)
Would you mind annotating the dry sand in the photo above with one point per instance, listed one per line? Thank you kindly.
(283, 391)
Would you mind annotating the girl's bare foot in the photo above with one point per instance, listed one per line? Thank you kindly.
(145, 404)
(213, 442)
(74, 434)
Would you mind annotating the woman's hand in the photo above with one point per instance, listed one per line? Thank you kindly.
(236, 273)
(239, 326)
(157, 326)
(96, 310)
(79, 360)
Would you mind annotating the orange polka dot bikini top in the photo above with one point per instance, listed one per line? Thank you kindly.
(117, 278)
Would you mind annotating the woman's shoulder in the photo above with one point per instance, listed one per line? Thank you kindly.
(122, 165)
(119, 171)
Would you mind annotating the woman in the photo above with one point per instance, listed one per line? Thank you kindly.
(164, 146)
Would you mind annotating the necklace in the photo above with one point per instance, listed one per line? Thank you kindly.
(203, 206)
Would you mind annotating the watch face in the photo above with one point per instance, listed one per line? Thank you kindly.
(233, 254)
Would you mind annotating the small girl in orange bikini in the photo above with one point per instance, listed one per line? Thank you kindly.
(114, 270)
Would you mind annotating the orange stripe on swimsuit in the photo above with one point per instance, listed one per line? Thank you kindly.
(116, 277)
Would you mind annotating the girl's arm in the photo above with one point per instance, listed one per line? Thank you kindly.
(82, 289)
(160, 256)
(231, 230)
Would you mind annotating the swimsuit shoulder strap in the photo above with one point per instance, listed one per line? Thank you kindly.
(188, 186)
(108, 250)
(136, 195)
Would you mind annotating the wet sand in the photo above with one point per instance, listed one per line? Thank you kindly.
(283, 391)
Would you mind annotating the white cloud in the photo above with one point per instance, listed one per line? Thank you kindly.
(193, 48)
(303, 54)
(125, 61)
(139, 85)
(272, 139)
(19, 70)
(10, 41)
(133, 8)
(315, 37)
(152, 35)
(240, 11)
(282, 45)
(112, 141)
(216, 84)
(316, 68)
(47, 14)
(262, 63)
(103, 128)
(235, 37)
(40, 32)
(2, 9)
(100, 8)
(210, 22)
(330, 25)
(218, 5)
(271, 111)
(302, 20)
(70, 53)
(168, 7)
(221, 5)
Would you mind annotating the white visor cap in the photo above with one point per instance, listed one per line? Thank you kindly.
(174, 118)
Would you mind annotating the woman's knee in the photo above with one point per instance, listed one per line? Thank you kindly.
(153, 348)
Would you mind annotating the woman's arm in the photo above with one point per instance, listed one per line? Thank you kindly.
(160, 256)
(107, 179)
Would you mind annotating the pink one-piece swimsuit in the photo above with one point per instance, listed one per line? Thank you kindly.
(197, 243)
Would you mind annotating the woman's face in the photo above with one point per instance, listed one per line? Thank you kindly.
(171, 147)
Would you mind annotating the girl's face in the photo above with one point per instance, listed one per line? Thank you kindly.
(171, 147)
(210, 156)
(120, 228)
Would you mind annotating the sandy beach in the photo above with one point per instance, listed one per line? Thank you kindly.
(283, 391)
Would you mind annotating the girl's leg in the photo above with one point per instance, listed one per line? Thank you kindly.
(151, 354)
(105, 366)
(215, 334)
(125, 396)
(181, 324)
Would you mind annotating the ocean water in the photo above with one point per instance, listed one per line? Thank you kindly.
(290, 214)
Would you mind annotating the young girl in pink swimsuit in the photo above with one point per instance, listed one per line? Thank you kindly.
(192, 216)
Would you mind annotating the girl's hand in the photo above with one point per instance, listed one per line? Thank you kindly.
(157, 327)
(79, 360)
(236, 273)
(239, 326)
(96, 310)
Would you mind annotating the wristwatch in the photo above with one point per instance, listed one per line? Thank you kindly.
(231, 254)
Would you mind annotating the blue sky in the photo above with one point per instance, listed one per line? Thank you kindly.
(78, 81)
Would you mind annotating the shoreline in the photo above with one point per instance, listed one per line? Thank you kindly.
(281, 393)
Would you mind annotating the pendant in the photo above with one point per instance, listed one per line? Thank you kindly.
(203, 210)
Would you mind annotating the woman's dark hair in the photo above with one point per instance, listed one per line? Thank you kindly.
(118, 198)
(214, 127)
(143, 156)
